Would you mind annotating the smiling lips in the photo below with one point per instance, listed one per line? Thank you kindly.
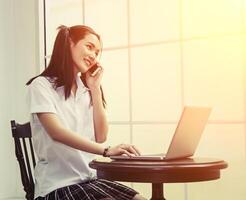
(88, 62)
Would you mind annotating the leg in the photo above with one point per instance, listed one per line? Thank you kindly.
(157, 191)
(138, 197)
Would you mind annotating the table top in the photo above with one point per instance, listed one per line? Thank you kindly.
(191, 163)
(182, 170)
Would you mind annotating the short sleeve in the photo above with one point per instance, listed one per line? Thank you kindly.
(40, 96)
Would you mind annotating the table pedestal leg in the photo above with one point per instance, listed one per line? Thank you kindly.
(157, 191)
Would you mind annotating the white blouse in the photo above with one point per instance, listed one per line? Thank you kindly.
(60, 165)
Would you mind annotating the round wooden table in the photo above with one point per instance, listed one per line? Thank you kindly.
(159, 172)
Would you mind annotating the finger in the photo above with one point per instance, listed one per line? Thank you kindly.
(132, 150)
(97, 72)
(124, 151)
(137, 150)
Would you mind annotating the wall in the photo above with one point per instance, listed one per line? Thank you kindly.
(18, 63)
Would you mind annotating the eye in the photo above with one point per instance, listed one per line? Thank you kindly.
(89, 46)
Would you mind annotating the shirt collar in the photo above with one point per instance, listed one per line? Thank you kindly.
(81, 87)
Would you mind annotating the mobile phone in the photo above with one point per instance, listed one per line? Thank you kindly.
(94, 69)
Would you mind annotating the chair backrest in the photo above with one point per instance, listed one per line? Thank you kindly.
(25, 155)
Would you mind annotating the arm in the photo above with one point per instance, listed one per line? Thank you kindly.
(99, 117)
(59, 133)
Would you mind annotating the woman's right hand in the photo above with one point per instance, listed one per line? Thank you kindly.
(127, 149)
(94, 82)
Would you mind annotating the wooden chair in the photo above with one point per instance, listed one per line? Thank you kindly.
(25, 155)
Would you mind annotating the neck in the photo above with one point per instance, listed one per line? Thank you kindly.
(74, 87)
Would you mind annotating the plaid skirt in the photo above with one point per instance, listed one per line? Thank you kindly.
(92, 190)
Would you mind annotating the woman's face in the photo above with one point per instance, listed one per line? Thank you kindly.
(85, 52)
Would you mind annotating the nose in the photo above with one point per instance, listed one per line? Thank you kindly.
(92, 56)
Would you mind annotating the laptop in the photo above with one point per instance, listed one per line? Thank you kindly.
(185, 138)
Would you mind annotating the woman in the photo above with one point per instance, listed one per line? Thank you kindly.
(68, 122)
